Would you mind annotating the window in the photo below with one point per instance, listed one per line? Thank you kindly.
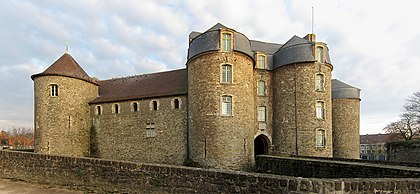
(226, 105)
(320, 110)
(319, 82)
(320, 54)
(261, 59)
(261, 114)
(226, 73)
(261, 88)
(115, 109)
(176, 103)
(226, 42)
(320, 138)
(98, 110)
(135, 106)
(54, 90)
(154, 105)
(150, 130)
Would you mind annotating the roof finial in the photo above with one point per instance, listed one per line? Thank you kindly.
(67, 46)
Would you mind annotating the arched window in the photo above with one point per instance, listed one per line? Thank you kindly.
(54, 90)
(319, 82)
(320, 110)
(226, 105)
(98, 110)
(320, 138)
(226, 41)
(116, 109)
(226, 73)
(154, 105)
(176, 103)
(320, 54)
(261, 88)
(135, 106)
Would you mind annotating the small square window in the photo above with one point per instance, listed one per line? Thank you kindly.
(150, 130)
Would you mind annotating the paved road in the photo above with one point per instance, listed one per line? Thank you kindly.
(18, 187)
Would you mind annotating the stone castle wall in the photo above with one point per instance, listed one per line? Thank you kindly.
(294, 101)
(218, 141)
(107, 176)
(346, 124)
(62, 123)
(123, 136)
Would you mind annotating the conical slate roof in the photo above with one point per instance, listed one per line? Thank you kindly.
(343, 90)
(66, 66)
(217, 27)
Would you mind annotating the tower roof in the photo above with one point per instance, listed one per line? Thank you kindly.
(343, 90)
(66, 66)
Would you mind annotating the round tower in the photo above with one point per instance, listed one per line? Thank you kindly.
(302, 99)
(62, 114)
(220, 99)
(346, 120)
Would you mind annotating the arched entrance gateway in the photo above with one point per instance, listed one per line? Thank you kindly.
(261, 145)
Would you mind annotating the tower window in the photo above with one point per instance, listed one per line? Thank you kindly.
(226, 105)
(176, 103)
(261, 88)
(135, 106)
(319, 82)
(226, 41)
(261, 60)
(54, 90)
(320, 54)
(98, 110)
(226, 73)
(116, 109)
(262, 114)
(154, 105)
(320, 138)
(320, 110)
(150, 130)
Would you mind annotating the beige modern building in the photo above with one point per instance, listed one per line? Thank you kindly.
(235, 99)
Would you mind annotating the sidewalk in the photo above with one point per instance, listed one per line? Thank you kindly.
(8, 186)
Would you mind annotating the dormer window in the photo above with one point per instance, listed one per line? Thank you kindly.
(261, 61)
(226, 41)
(320, 54)
(54, 90)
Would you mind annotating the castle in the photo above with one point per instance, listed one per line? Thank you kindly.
(235, 99)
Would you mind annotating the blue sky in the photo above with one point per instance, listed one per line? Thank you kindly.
(374, 45)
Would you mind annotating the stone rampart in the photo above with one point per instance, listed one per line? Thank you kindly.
(105, 176)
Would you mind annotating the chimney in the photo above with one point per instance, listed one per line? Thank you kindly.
(310, 37)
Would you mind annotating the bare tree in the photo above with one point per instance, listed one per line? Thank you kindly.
(409, 125)
(21, 137)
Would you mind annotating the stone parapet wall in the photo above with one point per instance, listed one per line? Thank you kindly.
(106, 176)
(319, 168)
(404, 151)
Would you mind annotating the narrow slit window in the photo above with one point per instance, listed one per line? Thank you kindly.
(98, 110)
(154, 105)
(116, 109)
(135, 106)
(176, 103)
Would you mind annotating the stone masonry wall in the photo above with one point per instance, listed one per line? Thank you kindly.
(404, 151)
(294, 109)
(346, 124)
(218, 141)
(264, 128)
(122, 136)
(107, 176)
(62, 123)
